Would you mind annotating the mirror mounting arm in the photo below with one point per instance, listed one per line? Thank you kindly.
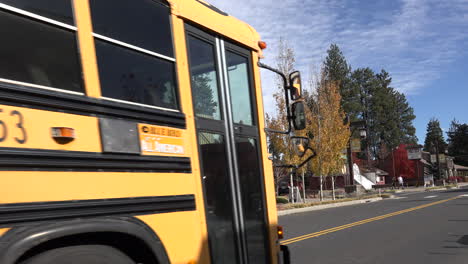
(268, 130)
(295, 167)
(286, 87)
(285, 166)
(314, 154)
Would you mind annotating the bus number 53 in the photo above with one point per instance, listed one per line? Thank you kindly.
(21, 139)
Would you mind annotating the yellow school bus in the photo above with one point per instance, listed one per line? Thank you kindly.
(132, 132)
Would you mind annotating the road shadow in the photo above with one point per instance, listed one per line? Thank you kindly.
(463, 240)
(420, 200)
(442, 253)
(456, 191)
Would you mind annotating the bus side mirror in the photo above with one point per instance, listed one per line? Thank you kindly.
(298, 115)
(300, 145)
(295, 85)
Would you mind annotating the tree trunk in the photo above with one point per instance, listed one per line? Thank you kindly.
(321, 188)
(291, 189)
(303, 187)
(333, 186)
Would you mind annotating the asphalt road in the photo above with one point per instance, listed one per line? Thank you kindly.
(427, 227)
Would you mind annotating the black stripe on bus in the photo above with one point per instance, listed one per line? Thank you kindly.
(21, 213)
(22, 96)
(15, 159)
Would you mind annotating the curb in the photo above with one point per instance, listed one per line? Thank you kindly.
(443, 189)
(326, 206)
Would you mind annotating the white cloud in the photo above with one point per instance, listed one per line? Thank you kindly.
(414, 40)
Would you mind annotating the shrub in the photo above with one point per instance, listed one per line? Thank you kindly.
(385, 195)
(282, 200)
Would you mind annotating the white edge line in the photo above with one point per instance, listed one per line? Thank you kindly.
(29, 14)
(145, 105)
(40, 86)
(133, 47)
(78, 93)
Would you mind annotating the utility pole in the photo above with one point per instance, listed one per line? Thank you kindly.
(368, 140)
(438, 160)
(319, 123)
(362, 133)
(393, 167)
(320, 158)
(350, 163)
(303, 187)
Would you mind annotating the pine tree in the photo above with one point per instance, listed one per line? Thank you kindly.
(458, 142)
(384, 126)
(405, 119)
(363, 82)
(205, 104)
(434, 141)
(336, 69)
(391, 116)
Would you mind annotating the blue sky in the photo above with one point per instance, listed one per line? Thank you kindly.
(423, 44)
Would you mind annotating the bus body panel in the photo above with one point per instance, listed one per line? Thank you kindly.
(267, 168)
(186, 101)
(32, 129)
(208, 16)
(50, 186)
(183, 234)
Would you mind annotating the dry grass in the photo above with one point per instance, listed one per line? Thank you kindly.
(448, 187)
(302, 205)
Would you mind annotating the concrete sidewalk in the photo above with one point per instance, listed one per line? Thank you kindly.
(360, 201)
(423, 189)
(326, 206)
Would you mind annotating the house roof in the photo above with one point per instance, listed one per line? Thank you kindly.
(381, 172)
(373, 169)
(460, 167)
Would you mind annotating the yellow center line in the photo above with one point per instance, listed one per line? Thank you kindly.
(334, 229)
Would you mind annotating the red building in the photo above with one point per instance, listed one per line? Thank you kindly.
(397, 164)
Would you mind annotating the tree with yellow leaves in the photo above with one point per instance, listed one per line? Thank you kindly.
(279, 144)
(331, 133)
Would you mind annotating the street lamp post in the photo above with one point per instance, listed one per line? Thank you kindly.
(350, 163)
(436, 146)
(362, 133)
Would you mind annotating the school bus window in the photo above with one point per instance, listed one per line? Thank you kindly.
(60, 10)
(135, 52)
(137, 77)
(143, 23)
(204, 79)
(240, 88)
(253, 208)
(38, 52)
(218, 201)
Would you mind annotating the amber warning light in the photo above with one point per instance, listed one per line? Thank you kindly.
(280, 232)
(262, 45)
(63, 134)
